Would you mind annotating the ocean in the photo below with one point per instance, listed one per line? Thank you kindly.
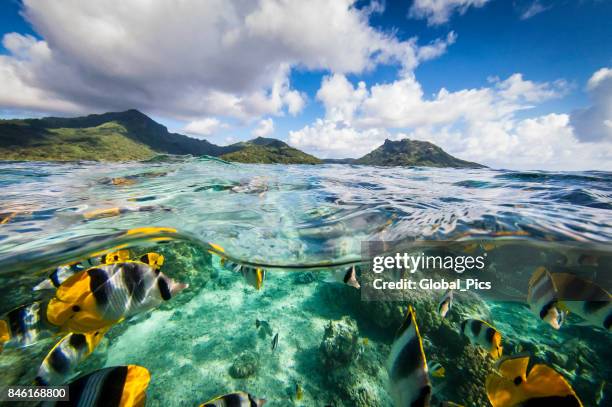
(215, 222)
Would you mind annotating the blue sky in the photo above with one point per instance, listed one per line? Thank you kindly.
(483, 79)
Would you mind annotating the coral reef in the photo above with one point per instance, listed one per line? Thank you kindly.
(246, 364)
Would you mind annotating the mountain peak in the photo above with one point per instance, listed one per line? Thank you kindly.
(407, 152)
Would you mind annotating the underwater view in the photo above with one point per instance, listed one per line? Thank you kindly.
(207, 278)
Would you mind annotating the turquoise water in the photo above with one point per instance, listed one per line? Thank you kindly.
(300, 223)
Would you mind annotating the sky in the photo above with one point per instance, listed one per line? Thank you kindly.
(518, 84)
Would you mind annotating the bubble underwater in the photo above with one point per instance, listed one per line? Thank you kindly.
(260, 247)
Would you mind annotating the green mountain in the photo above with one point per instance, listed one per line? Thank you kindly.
(132, 135)
(123, 136)
(408, 152)
(268, 150)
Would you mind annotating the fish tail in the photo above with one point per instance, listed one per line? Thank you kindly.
(136, 383)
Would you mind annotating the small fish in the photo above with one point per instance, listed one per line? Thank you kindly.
(154, 260)
(59, 275)
(542, 298)
(482, 334)
(299, 393)
(253, 276)
(237, 399)
(445, 303)
(117, 386)
(65, 356)
(101, 296)
(24, 326)
(436, 370)
(275, 342)
(407, 366)
(265, 327)
(366, 341)
(584, 298)
(513, 385)
(348, 277)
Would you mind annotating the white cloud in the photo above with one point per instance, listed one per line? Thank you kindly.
(191, 59)
(327, 139)
(402, 103)
(516, 88)
(594, 123)
(264, 128)
(207, 126)
(440, 11)
(473, 124)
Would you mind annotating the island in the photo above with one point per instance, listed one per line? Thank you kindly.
(132, 135)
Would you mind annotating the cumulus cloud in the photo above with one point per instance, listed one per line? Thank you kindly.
(474, 124)
(331, 139)
(207, 126)
(440, 11)
(264, 128)
(191, 59)
(402, 103)
(594, 123)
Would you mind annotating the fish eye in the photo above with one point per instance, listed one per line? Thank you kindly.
(518, 380)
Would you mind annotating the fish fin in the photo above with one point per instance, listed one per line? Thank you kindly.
(513, 366)
(216, 247)
(136, 383)
(5, 334)
(259, 275)
(409, 319)
(543, 381)
(43, 285)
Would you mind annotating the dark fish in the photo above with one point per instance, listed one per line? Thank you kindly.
(264, 325)
(407, 366)
(275, 342)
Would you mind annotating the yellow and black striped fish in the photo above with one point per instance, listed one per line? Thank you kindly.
(101, 296)
(584, 298)
(513, 385)
(118, 386)
(483, 334)
(407, 366)
(237, 399)
(24, 326)
(542, 298)
(252, 275)
(65, 356)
